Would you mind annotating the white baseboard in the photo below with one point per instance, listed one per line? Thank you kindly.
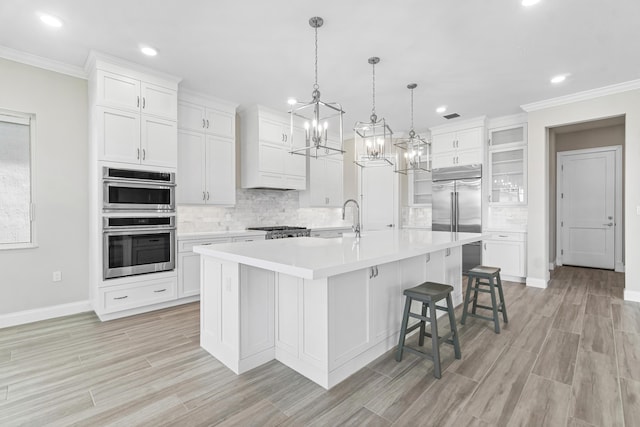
(536, 283)
(45, 313)
(631, 295)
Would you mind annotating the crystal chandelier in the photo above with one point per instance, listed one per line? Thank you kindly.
(373, 138)
(322, 121)
(417, 154)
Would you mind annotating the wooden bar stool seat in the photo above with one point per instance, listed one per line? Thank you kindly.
(429, 293)
(480, 278)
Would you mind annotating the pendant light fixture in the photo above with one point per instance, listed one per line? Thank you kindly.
(373, 138)
(417, 155)
(322, 121)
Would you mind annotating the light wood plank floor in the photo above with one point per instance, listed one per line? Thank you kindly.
(570, 355)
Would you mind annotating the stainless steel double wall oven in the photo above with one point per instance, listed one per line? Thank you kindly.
(138, 222)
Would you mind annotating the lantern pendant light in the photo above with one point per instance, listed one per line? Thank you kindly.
(417, 155)
(373, 139)
(322, 121)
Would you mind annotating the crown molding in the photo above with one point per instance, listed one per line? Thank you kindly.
(582, 96)
(40, 62)
(458, 125)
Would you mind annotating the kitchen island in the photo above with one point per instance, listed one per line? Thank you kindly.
(324, 307)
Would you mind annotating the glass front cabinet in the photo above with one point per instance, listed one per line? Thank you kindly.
(419, 188)
(508, 165)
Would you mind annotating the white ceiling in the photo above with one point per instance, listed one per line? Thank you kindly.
(480, 57)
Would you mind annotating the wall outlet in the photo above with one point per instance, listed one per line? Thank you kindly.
(57, 276)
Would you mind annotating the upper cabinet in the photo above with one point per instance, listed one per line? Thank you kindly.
(325, 183)
(134, 115)
(458, 145)
(206, 151)
(266, 161)
(419, 188)
(508, 164)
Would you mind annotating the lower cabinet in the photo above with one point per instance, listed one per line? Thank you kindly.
(330, 233)
(137, 294)
(506, 250)
(189, 261)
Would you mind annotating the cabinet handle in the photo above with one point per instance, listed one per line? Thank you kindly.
(207, 195)
(138, 102)
(144, 154)
(138, 155)
(160, 290)
(502, 235)
(203, 123)
(485, 246)
(447, 252)
(376, 271)
(144, 102)
(126, 296)
(204, 196)
(428, 258)
(207, 123)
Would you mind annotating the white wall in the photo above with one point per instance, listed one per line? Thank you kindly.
(625, 103)
(60, 105)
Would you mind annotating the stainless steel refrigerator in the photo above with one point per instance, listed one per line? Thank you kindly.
(457, 206)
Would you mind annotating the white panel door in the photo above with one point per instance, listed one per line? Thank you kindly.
(159, 101)
(119, 135)
(271, 159)
(191, 116)
(469, 139)
(191, 168)
(118, 91)
(588, 209)
(159, 142)
(317, 182)
(378, 197)
(221, 171)
(334, 182)
(220, 123)
(443, 142)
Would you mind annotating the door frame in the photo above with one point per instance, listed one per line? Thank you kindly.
(618, 246)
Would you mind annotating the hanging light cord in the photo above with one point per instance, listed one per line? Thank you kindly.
(373, 110)
(315, 86)
(411, 109)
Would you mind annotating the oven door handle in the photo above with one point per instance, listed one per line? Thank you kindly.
(140, 230)
(139, 182)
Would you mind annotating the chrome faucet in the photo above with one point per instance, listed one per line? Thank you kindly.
(356, 226)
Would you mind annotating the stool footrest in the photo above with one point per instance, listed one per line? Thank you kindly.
(412, 328)
(484, 291)
(418, 352)
(419, 317)
(480, 316)
(447, 337)
(486, 307)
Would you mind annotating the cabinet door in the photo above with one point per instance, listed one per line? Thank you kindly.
(507, 255)
(294, 164)
(189, 277)
(159, 101)
(220, 123)
(191, 168)
(378, 195)
(191, 116)
(118, 91)
(385, 290)
(334, 182)
(443, 160)
(504, 136)
(507, 176)
(118, 135)
(221, 171)
(453, 272)
(469, 139)
(271, 158)
(468, 157)
(420, 188)
(159, 142)
(272, 131)
(317, 184)
(443, 142)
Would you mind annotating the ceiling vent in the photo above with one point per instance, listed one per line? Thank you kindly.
(451, 116)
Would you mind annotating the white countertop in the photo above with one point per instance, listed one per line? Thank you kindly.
(315, 258)
(221, 234)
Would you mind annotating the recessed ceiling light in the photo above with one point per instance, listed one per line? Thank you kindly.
(51, 20)
(149, 51)
(292, 101)
(441, 109)
(559, 78)
(527, 3)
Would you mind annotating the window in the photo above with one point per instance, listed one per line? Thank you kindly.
(16, 180)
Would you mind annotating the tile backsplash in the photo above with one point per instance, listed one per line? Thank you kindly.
(416, 217)
(507, 218)
(257, 208)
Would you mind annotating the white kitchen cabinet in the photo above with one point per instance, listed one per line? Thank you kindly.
(206, 169)
(217, 120)
(189, 262)
(134, 115)
(453, 146)
(324, 184)
(508, 165)
(507, 251)
(330, 233)
(419, 188)
(266, 161)
(133, 295)
(206, 151)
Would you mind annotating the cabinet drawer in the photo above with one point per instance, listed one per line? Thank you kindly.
(187, 245)
(508, 236)
(118, 298)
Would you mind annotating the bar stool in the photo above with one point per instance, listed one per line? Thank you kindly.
(429, 294)
(485, 276)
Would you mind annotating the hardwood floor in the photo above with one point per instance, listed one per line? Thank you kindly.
(570, 355)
